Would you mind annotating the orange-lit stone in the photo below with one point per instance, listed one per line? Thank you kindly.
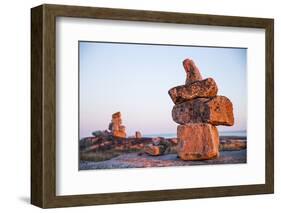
(199, 89)
(197, 141)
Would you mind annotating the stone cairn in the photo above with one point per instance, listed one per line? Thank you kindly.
(138, 135)
(198, 109)
(116, 127)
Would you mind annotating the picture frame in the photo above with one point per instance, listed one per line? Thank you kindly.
(43, 105)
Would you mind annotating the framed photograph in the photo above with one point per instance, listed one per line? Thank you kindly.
(136, 106)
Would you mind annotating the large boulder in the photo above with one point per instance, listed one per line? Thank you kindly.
(216, 111)
(197, 141)
(198, 89)
(192, 72)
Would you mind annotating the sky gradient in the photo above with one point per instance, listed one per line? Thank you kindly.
(135, 78)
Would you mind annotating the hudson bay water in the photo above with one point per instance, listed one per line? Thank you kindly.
(222, 133)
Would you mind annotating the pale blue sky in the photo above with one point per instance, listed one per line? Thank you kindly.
(134, 79)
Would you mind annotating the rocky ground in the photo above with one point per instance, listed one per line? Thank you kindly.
(143, 160)
(131, 153)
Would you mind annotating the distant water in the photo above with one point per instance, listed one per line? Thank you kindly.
(234, 133)
(224, 133)
(165, 135)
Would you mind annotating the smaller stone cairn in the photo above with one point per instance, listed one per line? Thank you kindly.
(198, 109)
(138, 135)
(116, 127)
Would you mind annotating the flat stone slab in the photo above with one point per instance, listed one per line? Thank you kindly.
(199, 89)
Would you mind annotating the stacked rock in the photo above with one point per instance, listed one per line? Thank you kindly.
(116, 127)
(138, 135)
(198, 109)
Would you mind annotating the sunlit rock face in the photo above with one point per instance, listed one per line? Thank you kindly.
(198, 141)
(116, 127)
(198, 89)
(198, 109)
(153, 150)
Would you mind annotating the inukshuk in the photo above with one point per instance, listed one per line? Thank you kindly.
(116, 127)
(198, 109)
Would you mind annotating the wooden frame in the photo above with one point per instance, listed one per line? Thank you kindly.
(43, 105)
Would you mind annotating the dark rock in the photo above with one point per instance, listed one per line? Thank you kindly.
(138, 134)
(216, 111)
